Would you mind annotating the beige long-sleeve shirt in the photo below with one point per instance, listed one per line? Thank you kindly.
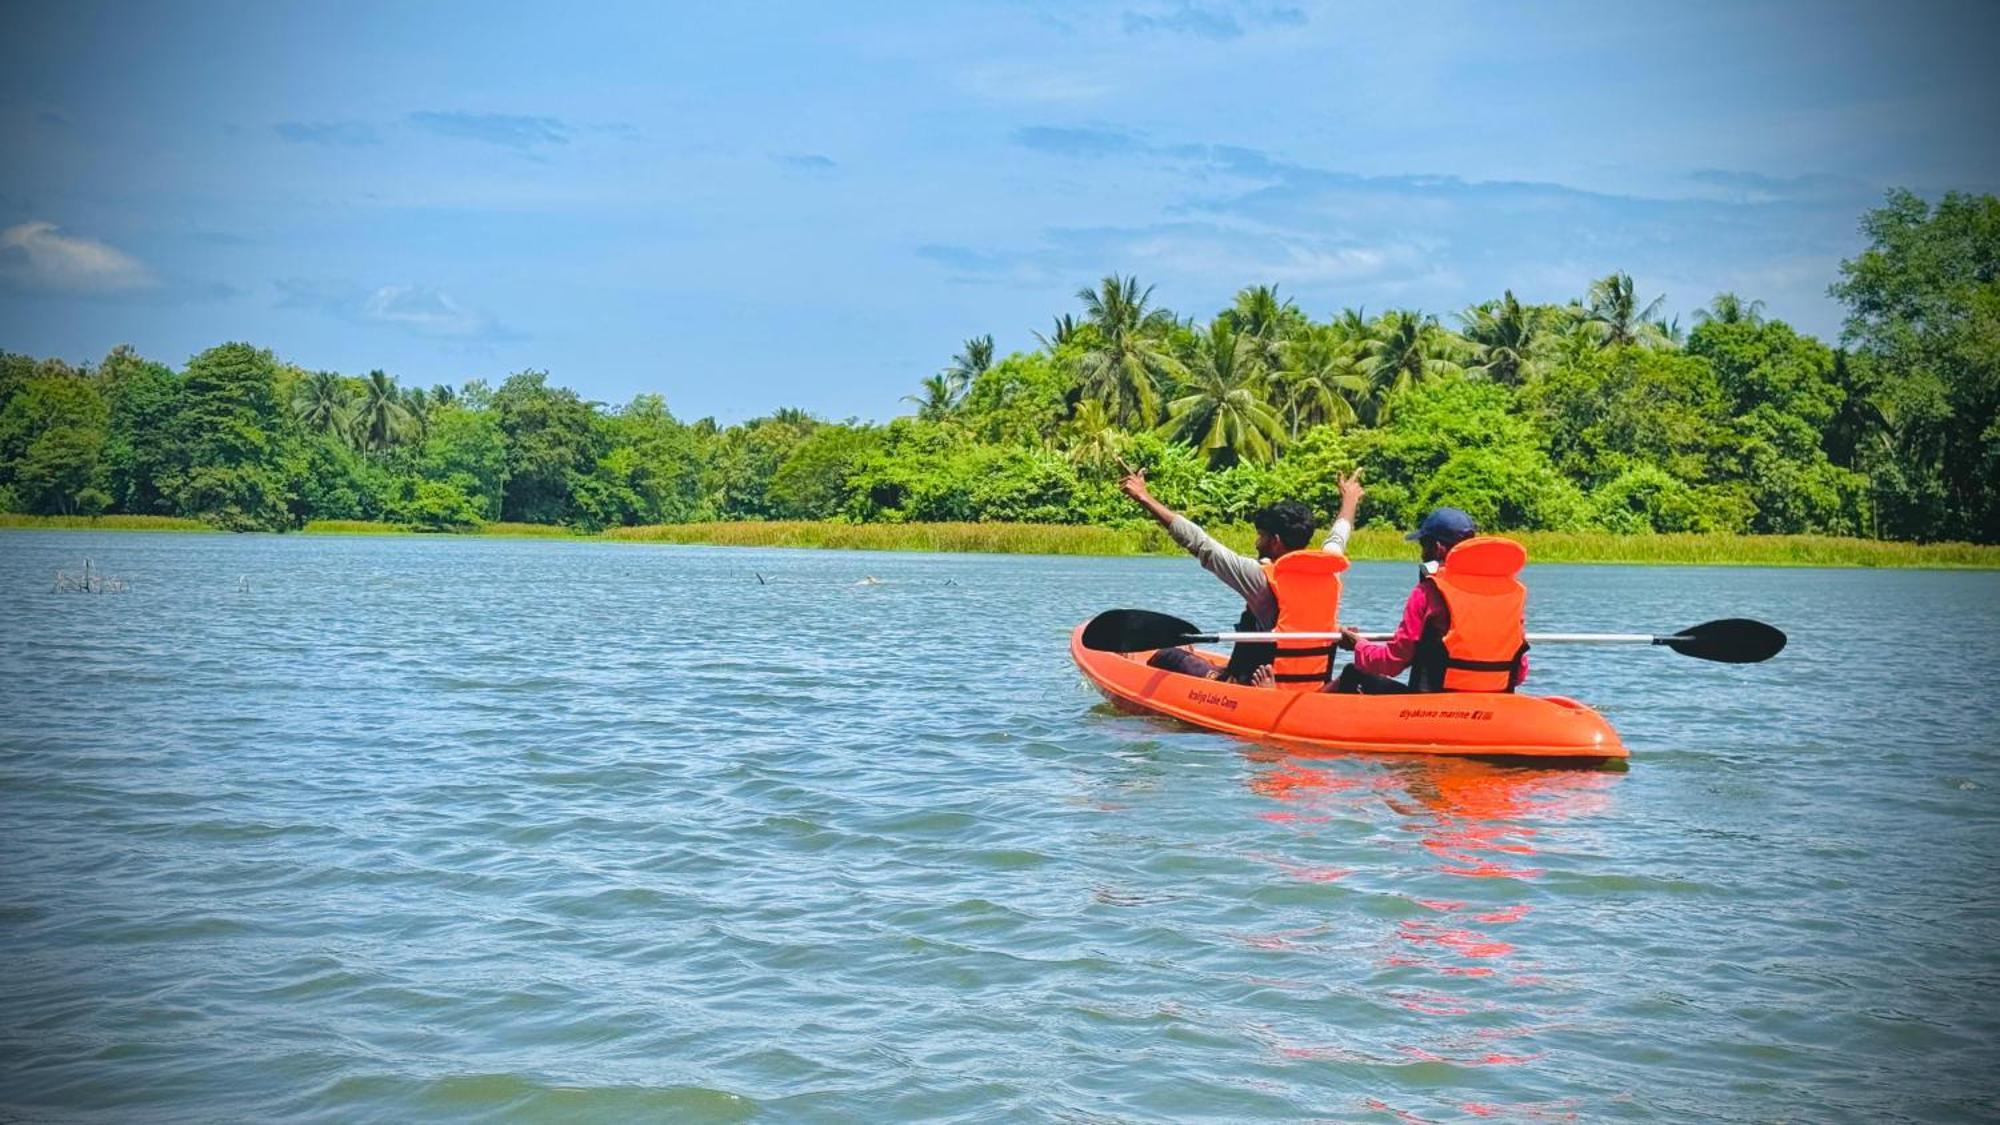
(1242, 573)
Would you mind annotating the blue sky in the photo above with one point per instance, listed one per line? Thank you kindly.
(750, 206)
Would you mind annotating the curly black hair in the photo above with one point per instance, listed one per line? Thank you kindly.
(1289, 520)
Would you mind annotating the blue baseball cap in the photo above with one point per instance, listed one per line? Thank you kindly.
(1446, 525)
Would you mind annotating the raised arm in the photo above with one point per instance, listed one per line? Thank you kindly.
(1237, 572)
(1343, 523)
(1134, 485)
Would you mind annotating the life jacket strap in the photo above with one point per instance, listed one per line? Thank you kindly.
(1506, 665)
(1456, 664)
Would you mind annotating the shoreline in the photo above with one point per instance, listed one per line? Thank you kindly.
(1367, 544)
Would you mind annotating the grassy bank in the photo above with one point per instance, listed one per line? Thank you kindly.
(983, 538)
(1063, 539)
(490, 530)
(104, 523)
(1367, 544)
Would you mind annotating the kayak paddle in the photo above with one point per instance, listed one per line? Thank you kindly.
(1732, 640)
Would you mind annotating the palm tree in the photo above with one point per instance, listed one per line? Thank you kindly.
(1065, 330)
(382, 417)
(1259, 313)
(1569, 340)
(418, 406)
(323, 404)
(1502, 334)
(443, 396)
(1091, 440)
(1615, 311)
(941, 395)
(1223, 411)
(1728, 308)
(1669, 332)
(1409, 347)
(971, 363)
(1124, 367)
(1321, 380)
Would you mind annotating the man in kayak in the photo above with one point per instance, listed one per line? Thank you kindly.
(1282, 528)
(1419, 642)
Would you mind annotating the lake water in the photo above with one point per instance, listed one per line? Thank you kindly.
(393, 829)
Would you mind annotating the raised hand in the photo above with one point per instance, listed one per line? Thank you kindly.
(1351, 491)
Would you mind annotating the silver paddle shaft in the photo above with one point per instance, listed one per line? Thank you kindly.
(1533, 638)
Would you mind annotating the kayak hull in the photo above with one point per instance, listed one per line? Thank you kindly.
(1463, 724)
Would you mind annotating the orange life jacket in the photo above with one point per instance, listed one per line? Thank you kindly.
(1488, 605)
(1307, 586)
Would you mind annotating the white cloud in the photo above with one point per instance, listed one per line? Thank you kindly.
(38, 257)
(425, 310)
(421, 310)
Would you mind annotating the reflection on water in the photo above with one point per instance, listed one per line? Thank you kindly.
(1476, 991)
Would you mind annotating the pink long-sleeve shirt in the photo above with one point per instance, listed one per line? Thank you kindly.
(1426, 610)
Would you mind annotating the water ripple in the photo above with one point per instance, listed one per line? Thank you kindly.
(496, 830)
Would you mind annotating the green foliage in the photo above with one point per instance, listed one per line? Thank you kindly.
(1924, 309)
(1022, 400)
(1130, 353)
(1407, 347)
(228, 436)
(1429, 424)
(466, 449)
(812, 483)
(1514, 488)
(650, 472)
(330, 480)
(1321, 379)
(434, 505)
(1765, 363)
(52, 436)
(743, 459)
(143, 397)
(1648, 499)
(1221, 410)
(1615, 316)
(1590, 414)
(1628, 405)
(552, 439)
(1505, 337)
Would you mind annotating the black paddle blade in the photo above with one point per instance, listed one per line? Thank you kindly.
(1135, 630)
(1732, 640)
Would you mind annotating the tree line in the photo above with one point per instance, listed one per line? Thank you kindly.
(1592, 414)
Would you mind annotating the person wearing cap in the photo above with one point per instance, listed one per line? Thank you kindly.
(1418, 643)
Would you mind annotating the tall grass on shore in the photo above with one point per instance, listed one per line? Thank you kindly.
(984, 538)
(1365, 544)
(104, 523)
(500, 530)
(1751, 550)
(1147, 539)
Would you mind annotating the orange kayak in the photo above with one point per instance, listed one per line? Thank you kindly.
(1466, 724)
